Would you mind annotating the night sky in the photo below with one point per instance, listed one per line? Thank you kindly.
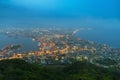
(61, 12)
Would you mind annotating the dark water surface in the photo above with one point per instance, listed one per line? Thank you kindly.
(109, 36)
(27, 43)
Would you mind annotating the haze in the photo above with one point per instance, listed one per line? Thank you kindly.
(60, 12)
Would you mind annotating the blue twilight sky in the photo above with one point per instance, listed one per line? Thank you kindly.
(59, 12)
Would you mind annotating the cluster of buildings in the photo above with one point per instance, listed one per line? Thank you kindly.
(61, 48)
(52, 50)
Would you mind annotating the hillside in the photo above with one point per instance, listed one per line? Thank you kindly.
(17, 69)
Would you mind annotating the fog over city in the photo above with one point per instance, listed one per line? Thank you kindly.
(59, 39)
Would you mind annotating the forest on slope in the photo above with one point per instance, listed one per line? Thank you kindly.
(16, 69)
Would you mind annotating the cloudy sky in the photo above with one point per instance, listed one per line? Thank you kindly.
(59, 12)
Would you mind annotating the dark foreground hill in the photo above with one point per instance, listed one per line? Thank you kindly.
(20, 70)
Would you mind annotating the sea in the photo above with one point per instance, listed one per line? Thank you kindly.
(27, 43)
(109, 36)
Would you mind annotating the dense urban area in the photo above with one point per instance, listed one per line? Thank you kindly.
(58, 46)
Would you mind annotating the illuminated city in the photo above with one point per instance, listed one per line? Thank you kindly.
(59, 40)
(57, 47)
